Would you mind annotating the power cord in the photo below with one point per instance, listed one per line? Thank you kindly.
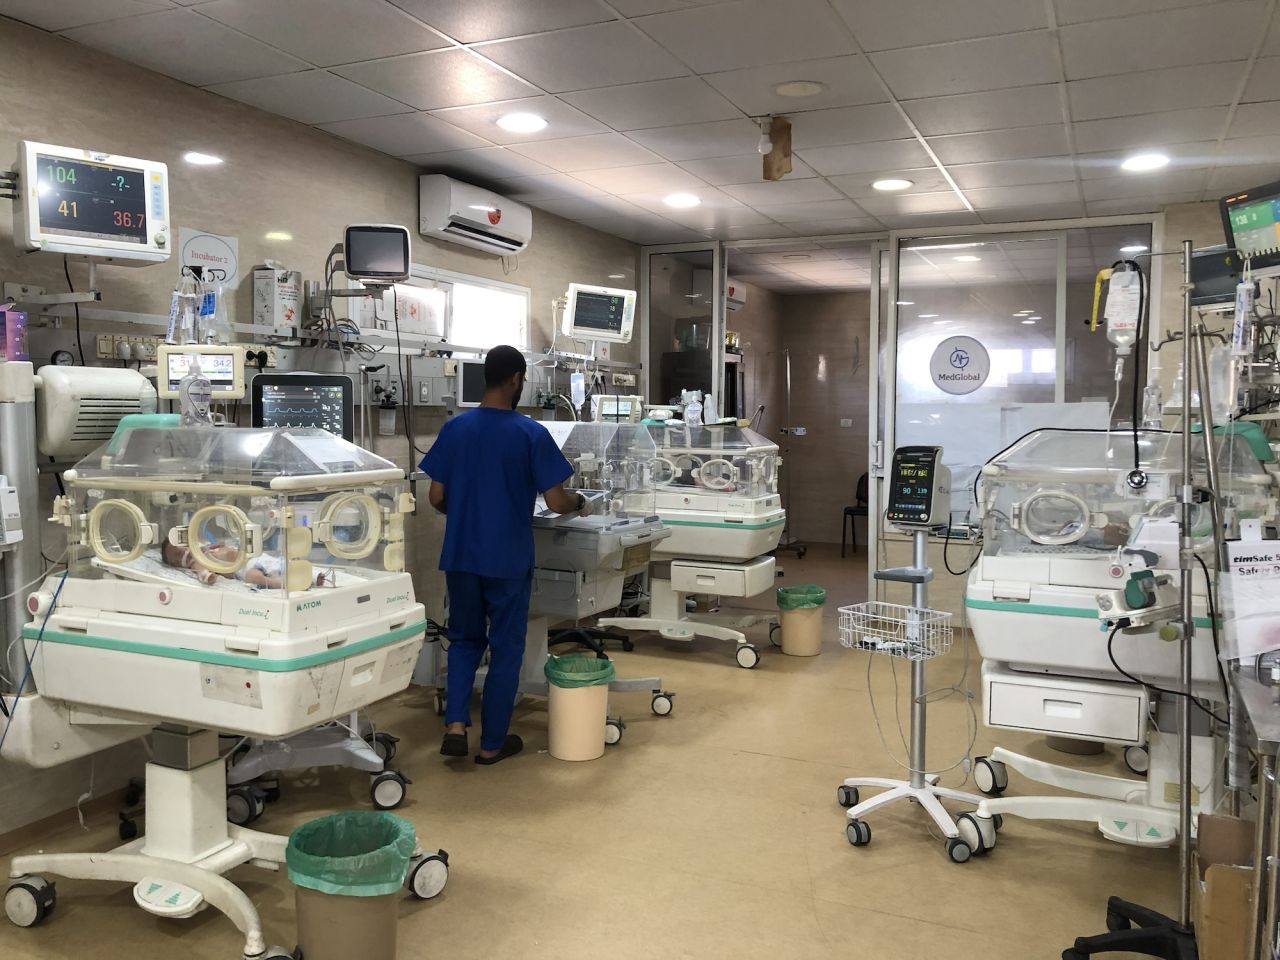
(1151, 686)
(66, 269)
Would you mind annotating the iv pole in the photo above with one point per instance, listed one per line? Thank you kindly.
(787, 541)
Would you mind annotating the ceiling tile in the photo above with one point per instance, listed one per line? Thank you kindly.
(312, 96)
(75, 13)
(1046, 141)
(716, 219)
(1151, 204)
(694, 141)
(1183, 156)
(858, 185)
(642, 8)
(886, 24)
(764, 231)
(660, 103)
(642, 229)
(991, 110)
(648, 178)
(1271, 46)
(848, 80)
(1015, 60)
(750, 33)
(888, 203)
(783, 191)
(1264, 81)
(1077, 11)
(405, 134)
(583, 57)
(1154, 130)
(825, 128)
(800, 212)
(326, 32)
(1173, 38)
(1041, 194)
(1229, 179)
(177, 44)
(471, 22)
(862, 157)
(787, 255)
(1120, 188)
(927, 221)
(586, 153)
(562, 120)
(490, 163)
(445, 78)
(746, 168)
(1153, 91)
(584, 208)
(1254, 118)
(547, 186)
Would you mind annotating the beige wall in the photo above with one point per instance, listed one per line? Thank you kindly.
(823, 467)
(278, 175)
(759, 325)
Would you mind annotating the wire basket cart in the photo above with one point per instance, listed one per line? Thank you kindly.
(896, 630)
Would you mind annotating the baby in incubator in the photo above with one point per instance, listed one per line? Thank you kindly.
(265, 570)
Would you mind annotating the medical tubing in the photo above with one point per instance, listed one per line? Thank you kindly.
(26, 677)
(1151, 686)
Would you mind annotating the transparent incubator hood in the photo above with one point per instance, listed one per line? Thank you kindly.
(715, 460)
(1068, 491)
(616, 459)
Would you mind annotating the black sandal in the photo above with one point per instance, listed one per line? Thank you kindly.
(510, 747)
(454, 745)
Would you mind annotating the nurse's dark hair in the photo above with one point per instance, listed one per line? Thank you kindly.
(501, 364)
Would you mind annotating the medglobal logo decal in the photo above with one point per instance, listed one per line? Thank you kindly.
(959, 365)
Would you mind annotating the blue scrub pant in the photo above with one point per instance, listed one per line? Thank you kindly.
(504, 604)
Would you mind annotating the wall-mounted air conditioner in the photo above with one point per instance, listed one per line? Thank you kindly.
(451, 210)
(735, 294)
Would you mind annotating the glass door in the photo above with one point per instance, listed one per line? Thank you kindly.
(683, 323)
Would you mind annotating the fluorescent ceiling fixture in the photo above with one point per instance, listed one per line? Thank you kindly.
(892, 183)
(1028, 321)
(966, 258)
(521, 122)
(1135, 248)
(800, 88)
(201, 159)
(1033, 319)
(681, 201)
(277, 235)
(905, 303)
(617, 276)
(692, 296)
(1143, 162)
(926, 316)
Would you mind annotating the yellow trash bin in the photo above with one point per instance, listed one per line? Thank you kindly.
(800, 618)
(578, 704)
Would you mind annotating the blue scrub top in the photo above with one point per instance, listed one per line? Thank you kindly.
(493, 464)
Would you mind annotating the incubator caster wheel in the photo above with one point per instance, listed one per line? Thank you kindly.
(388, 790)
(128, 829)
(1137, 760)
(628, 645)
(847, 796)
(990, 776)
(29, 901)
(438, 704)
(958, 851)
(662, 704)
(428, 875)
(801, 552)
(998, 822)
(747, 656)
(384, 745)
(774, 630)
(244, 806)
(133, 793)
(858, 832)
(270, 789)
(978, 833)
(613, 731)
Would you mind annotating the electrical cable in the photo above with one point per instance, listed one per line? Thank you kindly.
(1151, 686)
(400, 369)
(66, 269)
(1213, 626)
(26, 677)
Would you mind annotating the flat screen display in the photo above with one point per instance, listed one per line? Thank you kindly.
(376, 252)
(473, 385)
(219, 368)
(598, 311)
(305, 404)
(911, 485)
(93, 200)
(1251, 221)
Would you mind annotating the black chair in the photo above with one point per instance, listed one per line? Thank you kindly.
(859, 509)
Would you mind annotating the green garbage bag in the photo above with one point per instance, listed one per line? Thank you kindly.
(804, 596)
(353, 854)
(576, 670)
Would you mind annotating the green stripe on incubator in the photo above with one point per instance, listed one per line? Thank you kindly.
(724, 523)
(1017, 606)
(31, 632)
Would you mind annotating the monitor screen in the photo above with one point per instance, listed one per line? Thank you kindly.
(1251, 220)
(376, 252)
(911, 484)
(598, 311)
(218, 368)
(94, 200)
(304, 400)
(471, 376)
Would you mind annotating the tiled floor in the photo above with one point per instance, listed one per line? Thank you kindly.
(710, 833)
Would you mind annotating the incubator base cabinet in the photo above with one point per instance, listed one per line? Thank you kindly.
(220, 579)
(1078, 572)
(717, 490)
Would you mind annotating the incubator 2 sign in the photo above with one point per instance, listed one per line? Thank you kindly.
(959, 365)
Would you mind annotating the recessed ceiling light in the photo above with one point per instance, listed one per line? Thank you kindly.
(617, 276)
(1143, 162)
(277, 235)
(201, 159)
(966, 258)
(905, 303)
(1028, 321)
(926, 316)
(1034, 319)
(521, 122)
(1135, 248)
(892, 183)
(692, 296)
(681, 201)
(800, 88)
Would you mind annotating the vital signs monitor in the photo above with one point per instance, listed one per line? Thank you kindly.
(85, 203)
(919, 488)
(222, 366)
(599, 313)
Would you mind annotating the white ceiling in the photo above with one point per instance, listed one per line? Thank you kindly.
(998, 110)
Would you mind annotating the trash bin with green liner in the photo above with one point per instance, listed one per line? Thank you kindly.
(349, 871)
(801, 618)
(578, 705)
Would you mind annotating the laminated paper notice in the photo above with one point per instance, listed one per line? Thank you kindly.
(1251, 599)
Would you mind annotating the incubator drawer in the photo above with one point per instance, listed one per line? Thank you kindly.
(1107, 712)
(723, 579)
